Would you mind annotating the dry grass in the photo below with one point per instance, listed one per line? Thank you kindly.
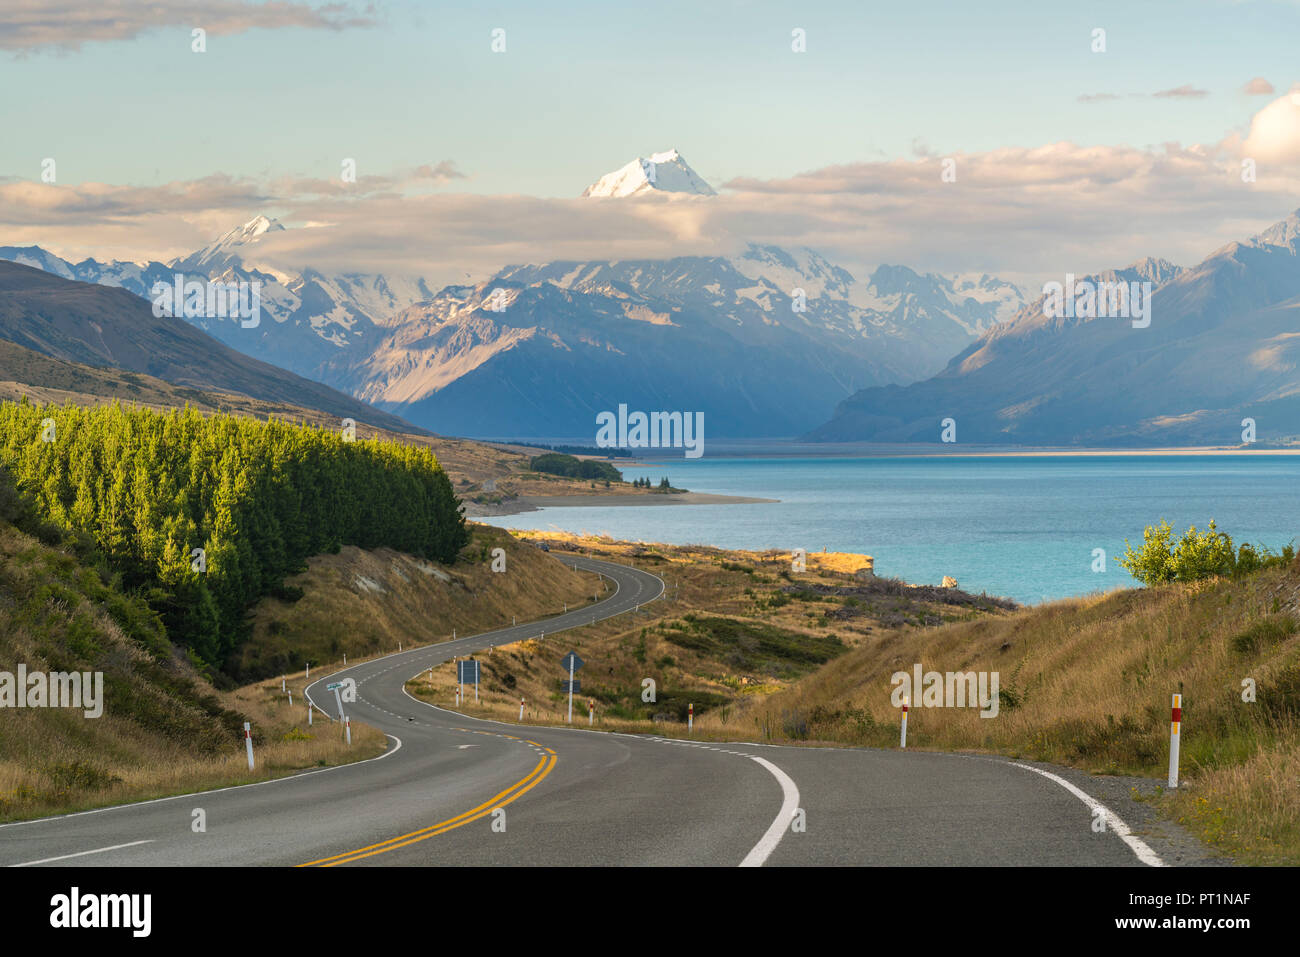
(1087, 682)
(364, 603)
(727, 630)
(163, 730)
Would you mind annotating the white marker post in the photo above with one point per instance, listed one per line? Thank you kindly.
(690, 717)
(571, 691)
(902, 739)
(282, 687)
(248, 741)
(591, 712)
(347, 729)
(309, 711)
(1174, 735)
(521, 709)
(476, 670)
(290, 699)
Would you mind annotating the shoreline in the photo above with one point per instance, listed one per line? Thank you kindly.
(535, 503)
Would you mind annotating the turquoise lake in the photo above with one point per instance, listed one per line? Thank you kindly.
(1021, 527)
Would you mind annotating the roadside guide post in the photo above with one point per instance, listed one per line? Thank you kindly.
(1176, 721)
(573, 663)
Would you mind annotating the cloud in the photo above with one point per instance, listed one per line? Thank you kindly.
(1186, 91)
(1258, 87)
(1025, 213)
(1097, 97)
(32, 25)
(1274, 135)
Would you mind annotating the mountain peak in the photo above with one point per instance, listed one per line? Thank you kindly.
(666, 172)
(1283, 233)
(223, 249)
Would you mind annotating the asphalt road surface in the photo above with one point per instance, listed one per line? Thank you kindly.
(462, 791)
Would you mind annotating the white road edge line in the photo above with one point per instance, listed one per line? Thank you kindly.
(64, 857)
(234, 787)
(790, 803)
(1138, 846)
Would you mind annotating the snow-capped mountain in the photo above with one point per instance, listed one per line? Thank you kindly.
(307, 316)
(1220, 347)
(660, 172)
(537, 349)
(228, 248)
(434, 355)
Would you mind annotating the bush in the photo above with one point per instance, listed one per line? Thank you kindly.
(1197, 555)
(555, 463)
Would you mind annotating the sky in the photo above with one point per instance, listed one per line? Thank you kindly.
(1067, 157)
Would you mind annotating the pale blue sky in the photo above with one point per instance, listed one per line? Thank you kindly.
(585, 86)
(160, 149)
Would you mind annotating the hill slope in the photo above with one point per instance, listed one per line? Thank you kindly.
(107, 327)
(1221, 346)
(1087, 682)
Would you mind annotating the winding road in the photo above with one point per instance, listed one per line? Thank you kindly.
(454, 790)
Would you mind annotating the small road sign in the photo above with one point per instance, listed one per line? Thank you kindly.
(572, 687)
(467, 672)
(572, 662)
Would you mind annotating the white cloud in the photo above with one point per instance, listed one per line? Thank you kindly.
(1024, 213)
(30, 25)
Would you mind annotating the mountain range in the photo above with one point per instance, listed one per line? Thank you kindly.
(105, 328)
(766, 342)
(1222, 346)
(719, 335)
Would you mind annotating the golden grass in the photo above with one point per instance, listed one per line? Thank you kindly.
(1088, 682)
(364, 603)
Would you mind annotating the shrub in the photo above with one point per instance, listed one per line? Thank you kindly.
(1197, 555)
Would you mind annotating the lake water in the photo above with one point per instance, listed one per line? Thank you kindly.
(1021, 527)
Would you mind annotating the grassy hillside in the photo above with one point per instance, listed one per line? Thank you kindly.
(363, 603)
(1087, 682)
(206, 514)
(110, 327)
(733, 625)
(163, 730)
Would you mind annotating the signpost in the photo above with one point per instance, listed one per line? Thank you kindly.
(468, 671)
(573, 663)
(337, 699)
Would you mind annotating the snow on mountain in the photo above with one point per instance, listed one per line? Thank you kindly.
(221, 252)
(1218, 346)
(661, 172)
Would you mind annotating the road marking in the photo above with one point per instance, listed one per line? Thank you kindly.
(511, 793)
(234, 787)
(1139, 847)
(777, 830)
(64, 857)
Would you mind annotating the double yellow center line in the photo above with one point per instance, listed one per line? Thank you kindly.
(519, 788)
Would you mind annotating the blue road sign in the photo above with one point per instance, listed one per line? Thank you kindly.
(467, 672)
(577, 686)
(571, 662)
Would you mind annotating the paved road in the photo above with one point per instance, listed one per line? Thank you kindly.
(457, 790)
